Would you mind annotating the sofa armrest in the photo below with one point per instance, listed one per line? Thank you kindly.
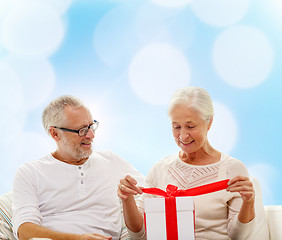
(274, 220)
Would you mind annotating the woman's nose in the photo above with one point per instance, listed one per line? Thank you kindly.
(183, 134)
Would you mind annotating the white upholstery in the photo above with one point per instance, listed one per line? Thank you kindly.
(261, 231)
(274, 219)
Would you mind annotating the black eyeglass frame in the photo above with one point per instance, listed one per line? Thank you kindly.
(94, 126)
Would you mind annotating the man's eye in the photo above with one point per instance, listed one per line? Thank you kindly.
(83, 130)
(176, 127)
(191, 127)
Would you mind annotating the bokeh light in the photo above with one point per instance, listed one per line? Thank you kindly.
(152, 70)
(224, 130)
(220, 12)
(36, 76)
(33, 28)
(243, 56)
(172, 3)
(11, 89)
(114, 38)
(126, 58)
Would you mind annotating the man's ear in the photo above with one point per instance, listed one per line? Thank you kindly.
(54, 134)
(210, 123)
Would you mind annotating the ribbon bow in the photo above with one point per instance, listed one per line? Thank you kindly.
(170, 203)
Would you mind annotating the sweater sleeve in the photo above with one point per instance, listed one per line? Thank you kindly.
(236, 229)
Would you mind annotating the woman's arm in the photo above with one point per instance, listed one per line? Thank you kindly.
(244, 187)
(127, 189)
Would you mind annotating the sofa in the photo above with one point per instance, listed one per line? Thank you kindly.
(269, 217)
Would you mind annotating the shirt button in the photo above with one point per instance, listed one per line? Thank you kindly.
(81, 174)
(79, 167)
(81, 182)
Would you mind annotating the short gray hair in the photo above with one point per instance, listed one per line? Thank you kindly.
(195, 97)
(53, 114)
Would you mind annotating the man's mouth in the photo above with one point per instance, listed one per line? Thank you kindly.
(86, 144)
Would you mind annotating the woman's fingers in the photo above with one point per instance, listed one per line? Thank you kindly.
(127, 187)
(243, 186)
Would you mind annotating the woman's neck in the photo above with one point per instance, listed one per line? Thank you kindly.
(203, 156)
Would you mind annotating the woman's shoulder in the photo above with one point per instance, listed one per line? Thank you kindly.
(233, 166)
(167, 160)
(164, 163)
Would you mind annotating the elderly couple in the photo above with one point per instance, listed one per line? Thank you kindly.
(76, 193)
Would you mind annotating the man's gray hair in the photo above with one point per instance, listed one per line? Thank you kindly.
(194, 97)
(53, 114)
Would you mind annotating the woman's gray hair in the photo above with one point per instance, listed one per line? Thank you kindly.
(53, 114)
(195, 97)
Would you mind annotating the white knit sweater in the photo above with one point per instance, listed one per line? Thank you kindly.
(215, 213)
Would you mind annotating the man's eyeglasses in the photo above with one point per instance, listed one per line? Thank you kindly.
(82, 131)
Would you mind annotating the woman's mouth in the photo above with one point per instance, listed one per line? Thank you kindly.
(185, 142)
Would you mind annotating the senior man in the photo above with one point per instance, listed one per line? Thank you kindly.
(71, 192)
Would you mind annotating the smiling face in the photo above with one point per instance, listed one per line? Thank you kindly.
(72, 148)
(189, 129)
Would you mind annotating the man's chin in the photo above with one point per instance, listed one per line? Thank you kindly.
(85, 154)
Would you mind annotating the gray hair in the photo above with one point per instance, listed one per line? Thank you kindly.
(53, 114)
(194, 97)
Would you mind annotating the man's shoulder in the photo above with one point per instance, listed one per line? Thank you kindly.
(40, 162)
(102, 153)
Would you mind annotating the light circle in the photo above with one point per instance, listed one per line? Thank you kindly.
(11, 94)
(172, 3)
(32, 29)
(243, 56)
(223, 132)
(157, 71)
(220, 12)
(267, 175)
(114, 36)
(37, 77)
(60, 6)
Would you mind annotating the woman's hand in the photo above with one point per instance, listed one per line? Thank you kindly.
(244, 187)
(127, 187)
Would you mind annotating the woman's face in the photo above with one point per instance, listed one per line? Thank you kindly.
(189, 129)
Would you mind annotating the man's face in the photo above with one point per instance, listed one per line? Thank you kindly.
(72, 148)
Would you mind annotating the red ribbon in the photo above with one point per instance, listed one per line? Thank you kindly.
(170, 203)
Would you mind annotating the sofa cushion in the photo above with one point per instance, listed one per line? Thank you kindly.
(261, 231)
(6, 231)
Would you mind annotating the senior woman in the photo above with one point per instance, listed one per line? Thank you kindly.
(220, 215)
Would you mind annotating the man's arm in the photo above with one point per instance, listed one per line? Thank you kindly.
(29, 230)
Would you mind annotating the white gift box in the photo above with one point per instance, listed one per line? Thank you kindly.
(156, 218)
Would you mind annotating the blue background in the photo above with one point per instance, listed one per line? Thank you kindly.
(124, 58)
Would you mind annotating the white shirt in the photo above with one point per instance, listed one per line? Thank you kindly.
(69, 198)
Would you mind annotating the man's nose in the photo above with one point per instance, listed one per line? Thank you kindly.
(90, 133)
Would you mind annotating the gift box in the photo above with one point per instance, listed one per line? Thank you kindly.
(172, 217)
(160, 225)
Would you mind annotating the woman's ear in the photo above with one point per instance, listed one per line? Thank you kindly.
(210, 122)
(54, 133)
